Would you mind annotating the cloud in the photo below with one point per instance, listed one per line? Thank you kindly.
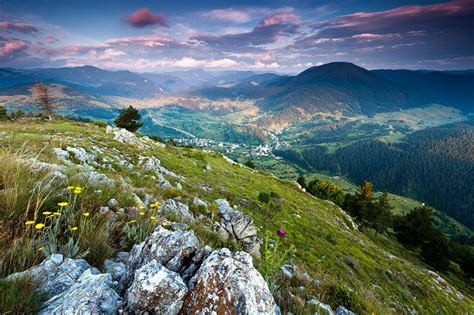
(277, 18)
(144, 17)
(258, 65)
(18, 27)
(267, 31)
(9, 48)
(238, 16)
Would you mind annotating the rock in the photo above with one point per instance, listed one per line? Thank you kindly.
(149, 163)
(55, 274)
(199, 203)
(82, 155)
(115, 268)
(104, 210)
(179, 186)
(94, 178)
(327, 308)
(208, 168)
(341, 310)
(179, 226)
(288, 271)
(238, 226)
(91, 294)
(163, 182)
(157, 290)
(227, 283)
(169, 248)
(113, 204)
(224, 206)
(178, 209)
(61, 154)
(127, 137)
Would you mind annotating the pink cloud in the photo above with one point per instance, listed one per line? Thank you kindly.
(232, 15)
(18, 27)
(12, 47)
(144, 17)
(277, 19)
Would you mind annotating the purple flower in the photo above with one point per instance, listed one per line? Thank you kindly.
(281, 232)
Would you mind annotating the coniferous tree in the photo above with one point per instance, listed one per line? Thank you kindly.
(129, 119)
(364, 203)
(301, 181)
(415, 227)
(381, 217)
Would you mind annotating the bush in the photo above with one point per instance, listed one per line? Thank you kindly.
(250, 164)
(264, 197)
(326, 190)
(100, 123)
(3, 114)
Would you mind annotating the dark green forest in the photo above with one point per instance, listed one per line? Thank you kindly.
(435, 166)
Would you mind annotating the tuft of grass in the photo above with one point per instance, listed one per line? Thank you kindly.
(19, 296)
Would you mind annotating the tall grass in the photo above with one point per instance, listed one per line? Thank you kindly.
(19, 296)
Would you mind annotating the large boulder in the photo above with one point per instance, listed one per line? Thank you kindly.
(171, 249)
(178, 210)
(156, 290)
(127, 137)
(227, 283)
(91, 294)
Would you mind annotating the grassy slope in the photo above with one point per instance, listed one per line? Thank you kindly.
(325, 244)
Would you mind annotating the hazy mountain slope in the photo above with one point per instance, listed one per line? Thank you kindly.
(424, 87)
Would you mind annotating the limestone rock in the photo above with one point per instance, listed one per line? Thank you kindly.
(157, 290)
(91, 294)
(178, 209)
(55, 274)
(227, 283)
(341, 310)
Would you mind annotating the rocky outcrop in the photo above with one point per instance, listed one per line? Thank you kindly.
(227, 283)
(127, 137)
(90, 294)
(341, 310)
(156, 289)
(72, 286)
(178, 210)
(234, 224)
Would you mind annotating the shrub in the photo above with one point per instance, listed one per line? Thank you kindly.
(100, 123)
(250, 164)
(264, 197)
(3, 114)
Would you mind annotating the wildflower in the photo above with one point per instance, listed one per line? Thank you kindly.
(153, 218)
(141, 207)
(39, 226)
(77, 191)
(165, 224)
(281, 232)
(29, 222)
(86, 214)
(40, 248)
(70, 187)
(142, 213)
(132, 221)
(47, 212)
(49, 216)
(63, 204)
(74, 228)
(57, 214)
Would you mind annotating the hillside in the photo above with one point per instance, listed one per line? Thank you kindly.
(344, 266)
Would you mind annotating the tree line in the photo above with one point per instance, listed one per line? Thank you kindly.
(415, 230)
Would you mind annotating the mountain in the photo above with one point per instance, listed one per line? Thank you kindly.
(132, 216)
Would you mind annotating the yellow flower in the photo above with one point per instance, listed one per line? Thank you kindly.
(165, 224)
(141, 207)
(153, 218)
(47, 212)
(63, 204)
(77, 191)
(70, 187)
(74, 228)
(39, 226)
(86, 214)
(132, 221)
(142, 213)
(57, 213)
(29, 222)
(158, 211)
(78, 187)
(40, 248)
(49, 216)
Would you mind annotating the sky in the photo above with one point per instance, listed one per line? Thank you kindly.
(273, 35)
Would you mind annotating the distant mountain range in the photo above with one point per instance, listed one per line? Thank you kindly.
(334, 87)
